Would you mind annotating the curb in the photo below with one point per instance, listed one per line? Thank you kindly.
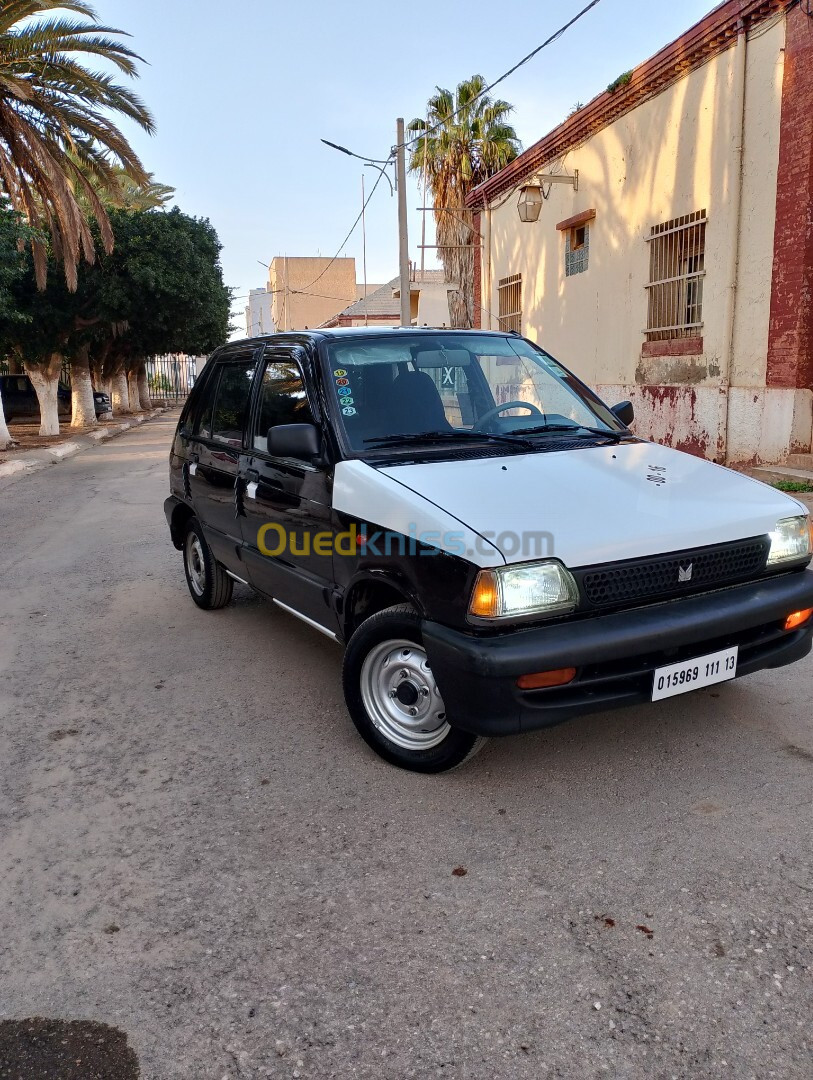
(34, 460)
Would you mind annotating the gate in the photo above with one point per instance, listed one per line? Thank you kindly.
(171, 377)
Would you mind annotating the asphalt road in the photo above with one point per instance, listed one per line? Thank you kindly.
(197, 850)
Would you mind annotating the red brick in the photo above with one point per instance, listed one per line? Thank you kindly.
(790, 339)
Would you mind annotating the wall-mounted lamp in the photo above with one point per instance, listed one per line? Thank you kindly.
(529, 204)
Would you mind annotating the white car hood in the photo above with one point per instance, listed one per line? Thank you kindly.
(598, 504)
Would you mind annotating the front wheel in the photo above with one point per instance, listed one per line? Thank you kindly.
(209, 584)
(393, 699)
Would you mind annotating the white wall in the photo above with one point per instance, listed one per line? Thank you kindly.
(675, 154)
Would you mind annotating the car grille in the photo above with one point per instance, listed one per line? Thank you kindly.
(676, 574)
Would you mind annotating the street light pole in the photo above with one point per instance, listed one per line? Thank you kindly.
(403, 243)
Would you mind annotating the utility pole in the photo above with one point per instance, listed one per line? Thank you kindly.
(403, 243)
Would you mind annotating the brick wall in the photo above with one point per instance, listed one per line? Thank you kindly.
(790, 340)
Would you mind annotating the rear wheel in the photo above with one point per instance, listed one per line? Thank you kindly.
(393, 698)
(209, 584)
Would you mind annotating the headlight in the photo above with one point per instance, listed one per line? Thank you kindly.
(541, 588)
(790, 540)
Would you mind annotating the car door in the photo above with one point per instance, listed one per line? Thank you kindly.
(214, 454)
(287, 521)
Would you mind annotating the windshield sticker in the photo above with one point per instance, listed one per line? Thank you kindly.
(340, 373)
(348, 411)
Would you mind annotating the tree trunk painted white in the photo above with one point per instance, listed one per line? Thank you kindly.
(120, 395)
(144, 387)
(132, 389)
(6, 440)
(84, 412)
(45, 380)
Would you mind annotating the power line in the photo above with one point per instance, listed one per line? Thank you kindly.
(486, 89)
(352, 228)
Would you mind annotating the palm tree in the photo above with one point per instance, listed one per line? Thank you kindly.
(466, 138)
(59, 148)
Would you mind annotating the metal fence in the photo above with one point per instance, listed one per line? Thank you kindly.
(170, 377)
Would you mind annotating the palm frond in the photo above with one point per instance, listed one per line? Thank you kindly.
(60, 147)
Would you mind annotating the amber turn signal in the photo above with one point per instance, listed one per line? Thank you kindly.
(541, 679)
(484, 601)
(798, 618)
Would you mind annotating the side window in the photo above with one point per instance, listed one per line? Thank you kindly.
(230, 403)
(203, 420)
(283, 400)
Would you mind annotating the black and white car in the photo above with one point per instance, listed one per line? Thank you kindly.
(495, 547)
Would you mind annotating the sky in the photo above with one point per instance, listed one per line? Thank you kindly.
(242, 97)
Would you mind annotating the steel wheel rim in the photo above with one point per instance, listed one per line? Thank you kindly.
(400, 695)
(195, 565)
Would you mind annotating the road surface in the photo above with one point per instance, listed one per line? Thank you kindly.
(197, 850)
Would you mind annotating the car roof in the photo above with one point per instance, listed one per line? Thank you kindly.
(338, 332)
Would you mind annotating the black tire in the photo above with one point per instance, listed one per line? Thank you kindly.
(209, 584)
(379, 654)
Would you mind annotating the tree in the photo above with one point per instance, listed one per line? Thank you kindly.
(13, 235)
(467, 140)
(59, 146)
(160, 290)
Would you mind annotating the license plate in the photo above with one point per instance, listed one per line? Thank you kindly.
(692, 674)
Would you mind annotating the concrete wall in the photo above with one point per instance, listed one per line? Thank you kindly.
(307, 292)
(259, 318)
(675, 154)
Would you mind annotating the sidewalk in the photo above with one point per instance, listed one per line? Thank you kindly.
(19, 462)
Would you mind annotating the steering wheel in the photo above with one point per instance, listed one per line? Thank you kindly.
(502, 408)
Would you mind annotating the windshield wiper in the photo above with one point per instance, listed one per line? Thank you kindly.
(447, 436)
(543, 429)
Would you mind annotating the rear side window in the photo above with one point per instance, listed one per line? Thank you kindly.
(283, 400)
(223, 415)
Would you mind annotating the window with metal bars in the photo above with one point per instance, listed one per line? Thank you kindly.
(677, 252)
(510, 303)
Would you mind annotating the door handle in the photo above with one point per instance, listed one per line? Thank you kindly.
(194, 458)
(252, 476)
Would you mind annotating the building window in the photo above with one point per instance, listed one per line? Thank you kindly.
(677, 266)
(510, 297)
(577, 249)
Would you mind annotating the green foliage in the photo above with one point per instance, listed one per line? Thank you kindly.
(13, 233)
(794, 486)
(59, 144)
(160, 290)
(160, 386)
(622, 80)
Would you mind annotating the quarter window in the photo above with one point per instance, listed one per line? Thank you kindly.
(283, 400)
(231, 403)
(677, 267)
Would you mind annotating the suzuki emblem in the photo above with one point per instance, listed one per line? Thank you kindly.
(685, 572)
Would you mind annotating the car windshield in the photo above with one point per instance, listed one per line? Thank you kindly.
(436, 387)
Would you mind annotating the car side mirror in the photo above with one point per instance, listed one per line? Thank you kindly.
(624, 412)
(299, 441)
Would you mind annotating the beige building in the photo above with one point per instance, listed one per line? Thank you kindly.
(672, 260)
(428, 299)
(308, 291)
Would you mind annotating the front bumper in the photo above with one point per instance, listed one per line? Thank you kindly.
(615, 655)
